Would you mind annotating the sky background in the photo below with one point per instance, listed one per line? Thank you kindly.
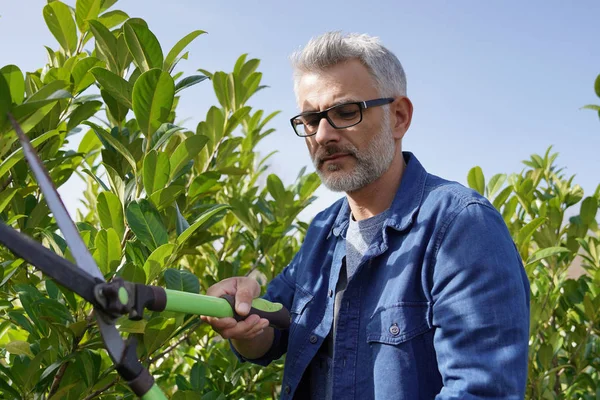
(491, 81)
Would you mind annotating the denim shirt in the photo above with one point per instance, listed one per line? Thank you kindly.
(438, 308)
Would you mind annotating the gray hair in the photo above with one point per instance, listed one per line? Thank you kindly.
(332, 48)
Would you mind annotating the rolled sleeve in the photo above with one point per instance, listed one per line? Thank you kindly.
(480, 297)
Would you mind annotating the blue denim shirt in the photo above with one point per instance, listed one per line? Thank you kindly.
(438, 308)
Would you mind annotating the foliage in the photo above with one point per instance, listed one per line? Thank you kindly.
(163, 205)
(556, 231)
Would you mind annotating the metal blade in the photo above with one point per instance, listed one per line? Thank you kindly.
(110, 335)
(80, 252)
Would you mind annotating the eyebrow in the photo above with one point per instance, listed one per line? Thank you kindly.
(334, 104)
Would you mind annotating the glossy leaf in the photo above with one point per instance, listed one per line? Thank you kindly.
(110, 212)
(153, 94)
(189, 81)
(158, 330)
(15, 82)
(81, 73)
(145, 222)
(183, 281)
(19, 348)
(476, 180)
(116, 86)
(185, 152)
(275, 187)
(589, 209)
(106, 44)
(545, 253)
(527, 231)
(144, 46)
(60, 22)
(163, 134)
(118, 146)
(495, 183)
(117, 111)
(113, 18)
(166, 196)
(108, 250)
(82, 112)
(156, 171)
(201, 220)
(84, 10)
(133, 273)
(178, 48)
(158, 261)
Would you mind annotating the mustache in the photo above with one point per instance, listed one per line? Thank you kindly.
(331, 150)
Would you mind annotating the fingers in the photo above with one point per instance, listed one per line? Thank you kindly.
(229, 328)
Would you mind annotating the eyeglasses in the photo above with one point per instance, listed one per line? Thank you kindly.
(340, 116)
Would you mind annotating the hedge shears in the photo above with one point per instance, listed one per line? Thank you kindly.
(113, 299)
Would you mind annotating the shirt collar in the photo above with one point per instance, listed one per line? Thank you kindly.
(405, 204)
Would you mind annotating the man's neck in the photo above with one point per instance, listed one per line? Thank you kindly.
(377, 197)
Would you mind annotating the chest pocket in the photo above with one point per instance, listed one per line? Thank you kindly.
(398, 323)
(301, 300)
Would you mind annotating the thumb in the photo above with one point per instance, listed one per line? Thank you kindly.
(247, 290)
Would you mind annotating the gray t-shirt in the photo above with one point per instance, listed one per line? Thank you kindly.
(358, 238)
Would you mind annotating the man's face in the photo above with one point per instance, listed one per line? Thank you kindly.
(350, 158)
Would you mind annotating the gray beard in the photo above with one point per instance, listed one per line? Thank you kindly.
(371, 163)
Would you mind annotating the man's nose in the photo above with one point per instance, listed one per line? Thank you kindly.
(326, 133)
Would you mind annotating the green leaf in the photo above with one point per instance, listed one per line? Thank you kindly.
(60, 22)
(5, 102)
(183, 281)
(156, 171)
(116, 110)
(144, 46)
(201, 220)
(133, 273)
(181, 223)
(545, 253)
(163, 134)
(18, 154)
(185, 152)
(495, 184)
(198, 376)
(158, 330)
(84, 10)
(589, 208)
(147, 224)
(106, 44)
(166, 196)
(108, 250)
(110, 213)
(178, 48)
(153, 95)
(19, 348)
(116, 86)
(189, 81)
(113, 18)
(597, 86)
(15, 81)
(527, 231)
(82, 112)
(118, 146)
(6, 196)
(157, 261)
(476, 180)
(81, 73)
(275, 188)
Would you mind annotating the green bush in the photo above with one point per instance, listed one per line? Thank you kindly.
(163, 205)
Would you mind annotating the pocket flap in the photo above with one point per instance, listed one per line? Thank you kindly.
(301, 299)
(398, 323)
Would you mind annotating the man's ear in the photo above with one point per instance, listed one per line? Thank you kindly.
(402, 110)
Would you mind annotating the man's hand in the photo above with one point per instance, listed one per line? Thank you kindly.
(244, 290)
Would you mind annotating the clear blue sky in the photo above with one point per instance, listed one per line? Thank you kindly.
(491, 82)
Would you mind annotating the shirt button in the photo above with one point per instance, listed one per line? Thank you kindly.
(394, 330)
(313, 339)
(287, 389)
(330, 293)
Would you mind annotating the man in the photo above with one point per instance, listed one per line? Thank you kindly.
(410, 287)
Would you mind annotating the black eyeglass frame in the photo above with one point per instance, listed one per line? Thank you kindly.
(323, 114)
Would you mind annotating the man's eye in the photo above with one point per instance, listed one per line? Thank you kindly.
(312, 121)
(346, 112)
